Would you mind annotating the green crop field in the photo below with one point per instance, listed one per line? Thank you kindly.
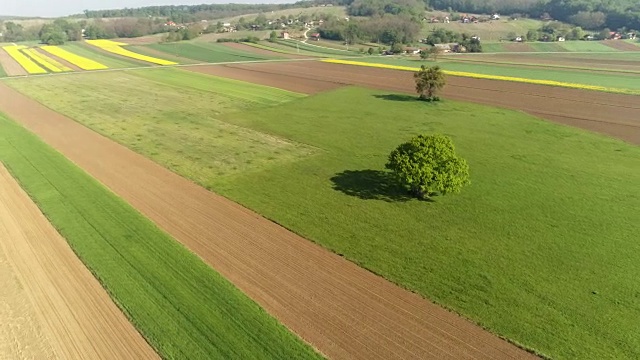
(586, 46)
(316, 47)
(205, 52)
(541, 248)
(94, 54)
(177, 58)
(629, 81)
(493, 48)
(2, 72)
(171, 116)
(183, 308)
(286, 49)
(547, 47)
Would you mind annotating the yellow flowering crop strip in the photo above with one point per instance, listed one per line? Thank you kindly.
(118, 49)
(77, 60)
(492, 77)
(45, 61)
(23, 60)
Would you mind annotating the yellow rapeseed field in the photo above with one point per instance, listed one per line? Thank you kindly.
(23, 60)
(77, 60)
(118, 49)
(490, 77)
(45, 61)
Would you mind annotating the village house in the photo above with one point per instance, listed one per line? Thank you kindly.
(315, 36)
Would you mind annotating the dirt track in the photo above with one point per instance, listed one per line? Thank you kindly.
(612, 114)
(10, 66)
(59, 310)
(341, 309)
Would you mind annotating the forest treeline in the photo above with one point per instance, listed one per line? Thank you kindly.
(588, 14)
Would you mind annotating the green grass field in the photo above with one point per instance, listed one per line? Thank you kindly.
(541, 248)
(629, 81)
(488, 31)
(205, 52)
(2, 72)
(183, 308)
(547, 47)
(521, 251)
(171, 116)
(108, 60)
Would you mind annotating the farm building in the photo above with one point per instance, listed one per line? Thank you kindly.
(285, 35)
(315, 36)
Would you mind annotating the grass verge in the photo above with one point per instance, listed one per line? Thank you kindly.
(183, 307)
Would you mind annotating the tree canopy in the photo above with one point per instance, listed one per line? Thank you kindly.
(428, 165)
(429, 80)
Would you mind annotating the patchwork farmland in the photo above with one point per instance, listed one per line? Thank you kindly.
(210, 200)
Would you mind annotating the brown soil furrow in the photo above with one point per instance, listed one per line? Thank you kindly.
(611, 114)
(621, 45)
(10, 66)
(291, 83)
(75, 312)
(21, 335)
(342, 310)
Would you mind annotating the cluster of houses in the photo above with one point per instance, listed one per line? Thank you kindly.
(613, 35)
(277, 23)
(465, 19)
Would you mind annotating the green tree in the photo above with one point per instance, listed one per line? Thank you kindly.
(370, 51)
(532, 35)
(53, 34)
(273, 37)
(429, 80)
(428, 165)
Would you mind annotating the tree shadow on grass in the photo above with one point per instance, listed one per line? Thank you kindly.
(370, 185)
(397, 97)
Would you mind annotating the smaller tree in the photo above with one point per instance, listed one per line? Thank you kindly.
(428, 165)
(429, 80)
(532, 35)
(273, 36)
(370, 51)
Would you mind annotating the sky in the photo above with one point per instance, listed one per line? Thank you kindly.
(53, 8)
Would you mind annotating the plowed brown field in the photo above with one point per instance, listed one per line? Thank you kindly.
(11, 67)
(612, 114)
(344, 311)
(59, 310)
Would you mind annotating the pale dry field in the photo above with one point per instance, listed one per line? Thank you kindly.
(51, 306)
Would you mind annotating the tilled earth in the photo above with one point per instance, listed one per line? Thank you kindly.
(51, 306)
